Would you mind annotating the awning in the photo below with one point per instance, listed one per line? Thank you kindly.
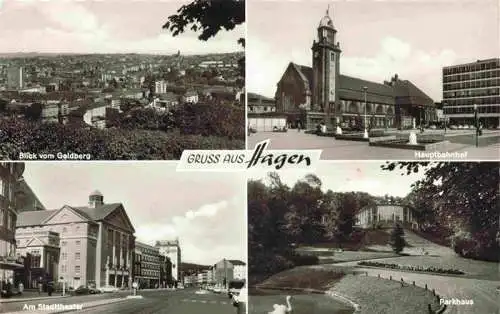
(10, 265)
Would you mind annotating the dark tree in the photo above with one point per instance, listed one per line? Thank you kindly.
(397, 240)
(464, 198)
(207, 16)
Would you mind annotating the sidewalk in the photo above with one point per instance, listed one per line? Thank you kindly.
(31, 296)
(60, 308)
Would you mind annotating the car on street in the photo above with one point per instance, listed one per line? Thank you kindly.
(108, 289)
(81, 290)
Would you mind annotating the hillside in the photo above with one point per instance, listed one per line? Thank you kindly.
(191, 268)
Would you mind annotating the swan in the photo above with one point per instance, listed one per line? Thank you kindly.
(282, 309)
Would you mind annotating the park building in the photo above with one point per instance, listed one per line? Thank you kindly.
(311, 95)
(472, 84)
(147, 268)
(385, 216)
(10, 175)
(96, 241)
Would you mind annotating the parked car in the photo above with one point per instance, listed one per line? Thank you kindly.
(109, 289)
(81, 290)
(94, 290)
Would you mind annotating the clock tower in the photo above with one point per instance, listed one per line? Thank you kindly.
(326, 54)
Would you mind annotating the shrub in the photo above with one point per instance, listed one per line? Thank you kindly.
(413, 268)
(303, 260)
(397, 239)
(19, 136)
(210, 119)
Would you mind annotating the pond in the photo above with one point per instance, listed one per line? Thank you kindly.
(262, 301)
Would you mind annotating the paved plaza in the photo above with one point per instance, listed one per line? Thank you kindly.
(353, 150)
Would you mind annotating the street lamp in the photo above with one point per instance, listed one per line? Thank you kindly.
(366, 131)
(476, 123)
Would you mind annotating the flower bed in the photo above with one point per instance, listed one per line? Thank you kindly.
(413, 268)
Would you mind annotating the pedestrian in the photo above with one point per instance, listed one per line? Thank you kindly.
(21, 288)
(40, 288)
(49, 289)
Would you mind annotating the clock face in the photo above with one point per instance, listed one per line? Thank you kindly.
(316, 54)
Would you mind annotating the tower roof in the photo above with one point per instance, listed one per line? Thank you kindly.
(96, 193)
(326, 21)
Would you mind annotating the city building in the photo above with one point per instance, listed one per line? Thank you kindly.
(191, 97)
(172, 250)
(228, 270)
(161, 87)
(472, 84)
(260, 104)
(385, 215)
(146, 265)
(311, 95)
(10, 174)
(15, 77)
(44, 251)
(96, 241)
(166, 279)
(26, 199)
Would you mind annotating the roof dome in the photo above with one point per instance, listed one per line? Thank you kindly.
(326, 21)
(96, 193)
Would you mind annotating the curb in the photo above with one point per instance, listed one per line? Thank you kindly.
(329, 293)
(33, 299)
(92, 306)
(442, 309)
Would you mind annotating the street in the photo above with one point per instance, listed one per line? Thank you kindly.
(341, 150)
(172, 302)
(155, 301)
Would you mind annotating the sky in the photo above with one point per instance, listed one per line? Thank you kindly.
(411, 38)
(101, 26)
(206, 211)
(366, 176)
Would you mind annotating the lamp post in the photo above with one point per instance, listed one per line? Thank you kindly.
(476, 123)
(365, 135)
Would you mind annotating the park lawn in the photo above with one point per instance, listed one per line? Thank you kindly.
(304, 277)
(327, 256)
(381, 296)
(471, 268)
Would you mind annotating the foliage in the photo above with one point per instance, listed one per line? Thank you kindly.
(281, 217)
(461, 197)
(210, 119)
(397, 240)
(209, 17)
(20, 136)
(412, 268)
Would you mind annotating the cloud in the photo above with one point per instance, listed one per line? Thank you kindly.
(74, 26)
(203, 238)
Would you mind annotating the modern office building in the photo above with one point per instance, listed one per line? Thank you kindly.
(147, 266)
(172, 250)
(10, 174)
(472, 84)
(311, 95)
(15, 77)
(97, 241)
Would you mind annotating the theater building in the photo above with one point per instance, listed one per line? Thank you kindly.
(96, 241)
(321, 94)
(469, 84)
